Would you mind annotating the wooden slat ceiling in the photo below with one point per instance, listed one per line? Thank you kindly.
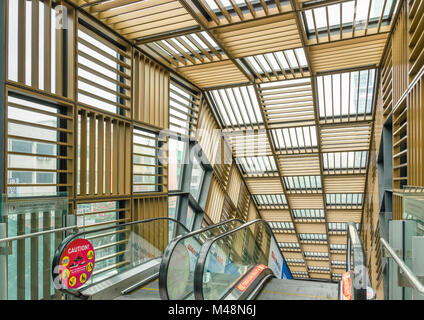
(300, 76)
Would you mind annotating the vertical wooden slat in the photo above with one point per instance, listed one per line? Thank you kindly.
(21, 40)
(108, 159)
(47, 45)
(100, 154)
(83, 152)
(121, 157)
(34, 43)
(92, 154)
(136, 88)
(128, 158)
(115, 150)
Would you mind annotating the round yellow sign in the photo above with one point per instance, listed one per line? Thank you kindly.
(90, 254)
(72, 281)
(65, 261)
(83, 277)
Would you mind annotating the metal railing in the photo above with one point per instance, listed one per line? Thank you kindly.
(41, 233)
(410, 276)
(202, 258)
(163, 274)
(358, 270)
(70, 238)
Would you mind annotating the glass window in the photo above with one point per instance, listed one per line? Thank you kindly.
(176, 156)
(45, 177)
(147, 174)
(196, 179)
(21, 146)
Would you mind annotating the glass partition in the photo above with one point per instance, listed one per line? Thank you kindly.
(225, 259)
(116, 249)
(25, 263)
(179, 264)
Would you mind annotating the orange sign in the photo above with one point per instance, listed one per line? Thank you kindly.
(250, 277)
(346, 287)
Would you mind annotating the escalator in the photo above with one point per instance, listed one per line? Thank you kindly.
(257, 270)
(231, 260)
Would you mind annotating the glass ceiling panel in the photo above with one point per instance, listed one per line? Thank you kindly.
(308, 213)
(257, 165)
(346, 95)
(347, 16)
(295, 138)
(344, 198)
(270, 199)
(345, 160)
(302, 183)
(277, 63)
(237, 107)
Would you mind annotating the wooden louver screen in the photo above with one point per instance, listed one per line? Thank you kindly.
(149, 172)
(151, 91)
(40, 145)
(104, 144)
(104, 73)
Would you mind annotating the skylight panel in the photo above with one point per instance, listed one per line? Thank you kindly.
(344, 199)
(277, 64)
(302, 183)
(237, 107)
(290, 140)
(348, 16)
(257, 165)
(308, 213)
(347, 96)
(270, 199)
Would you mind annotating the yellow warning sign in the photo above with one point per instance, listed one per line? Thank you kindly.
(90, 254)
(72, 281)
(89, 266)
(65, 261)
(83, 278)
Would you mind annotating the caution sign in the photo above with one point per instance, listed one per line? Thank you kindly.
(346, 286)
(77, 263)
(242, 286)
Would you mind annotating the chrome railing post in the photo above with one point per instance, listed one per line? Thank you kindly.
(3, 263)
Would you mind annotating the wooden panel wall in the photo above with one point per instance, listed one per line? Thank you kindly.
(208, 133)
(98, 58)
(400, 56)
(415, 131)
(152, 207)
(151, 90)
(105, 152)
(416, 36)
(35, 49)
(215, 201)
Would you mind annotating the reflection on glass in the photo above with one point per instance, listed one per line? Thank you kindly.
(176, 153)
(196, 179)
(183, 260)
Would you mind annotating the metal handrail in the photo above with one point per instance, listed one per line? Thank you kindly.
(71, 237)
(40, 233)
(413, 280)
(166, 258)
(359, 266)
(203, 254)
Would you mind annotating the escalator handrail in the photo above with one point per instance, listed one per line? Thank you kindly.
(166, 257)
(203, 254)
(359, 265)
(68, 239)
